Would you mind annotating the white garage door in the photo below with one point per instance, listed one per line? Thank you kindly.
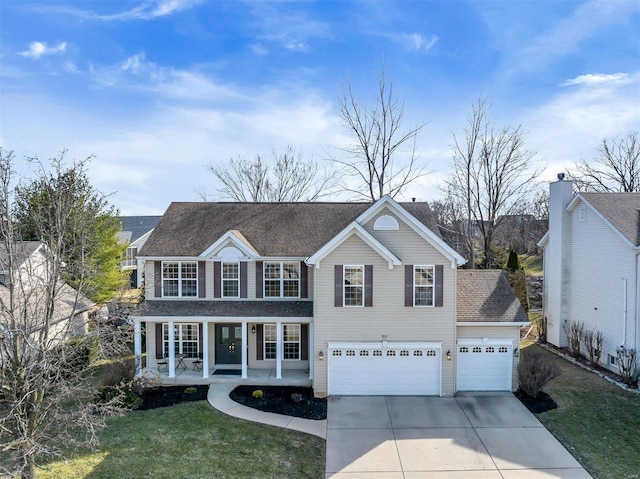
(384, 368)
(485, 365)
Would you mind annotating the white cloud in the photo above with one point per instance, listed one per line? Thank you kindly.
(598, 79)
(415, 41)
(146, 10)
(38, 49)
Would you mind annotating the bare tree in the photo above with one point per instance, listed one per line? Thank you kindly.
(615, 169)
(47, 383)
(492, 174)
(286, 177)
(382, 159)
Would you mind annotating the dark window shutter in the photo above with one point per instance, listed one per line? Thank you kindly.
(159, 349)
(202, 279)
(304, 273)
(259, 348)
(157, 279)
(217, 278)
(338, 285)
(438, 286)
(200, 337)
(304, 342)
(243, 279)
(259, 281)
(408, 285)
(368, 285)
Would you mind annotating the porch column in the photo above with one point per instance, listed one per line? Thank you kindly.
(312, 351)
(205, 350)
(244, 350)
(279, 350)
(172, 350)
(137, 346)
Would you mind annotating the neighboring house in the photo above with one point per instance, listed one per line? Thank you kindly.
(356, 298)
(592, 266)
(31, 294)
(135, 232)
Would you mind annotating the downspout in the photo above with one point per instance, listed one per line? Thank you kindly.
(637, 318)
(624, 313)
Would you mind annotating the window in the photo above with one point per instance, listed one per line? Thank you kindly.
(230, 280)
(612, 359)
(186, 339)
(281, 279)
(270, 341)
(353, 285)
(503, 349)
(291, 337)
(423, 285)
(180, 278)
(129, 257)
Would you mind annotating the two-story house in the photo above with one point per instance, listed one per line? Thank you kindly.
(134, 233)
(357, 298)
(592, 266)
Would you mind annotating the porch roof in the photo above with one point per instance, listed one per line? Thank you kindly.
(293, 309)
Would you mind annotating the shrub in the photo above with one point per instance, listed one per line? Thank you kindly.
(626, 359)
(536, 370)
(120, 395)
(190, 390)
(592, 341)
(574, 331)
(297, 398)
(513, 263)
(257, 394)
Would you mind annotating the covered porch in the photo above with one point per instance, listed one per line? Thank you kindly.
(187, 347)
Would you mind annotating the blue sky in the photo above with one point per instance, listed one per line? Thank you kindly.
(157, 90)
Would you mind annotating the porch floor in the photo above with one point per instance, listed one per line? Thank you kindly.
(257, 377)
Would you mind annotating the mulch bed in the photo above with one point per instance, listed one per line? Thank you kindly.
(278, 399)
(171, 395)
(541, 403)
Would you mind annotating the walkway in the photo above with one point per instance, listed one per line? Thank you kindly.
(219, 398)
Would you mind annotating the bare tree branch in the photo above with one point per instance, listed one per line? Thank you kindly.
(382, 159)
(615, 169)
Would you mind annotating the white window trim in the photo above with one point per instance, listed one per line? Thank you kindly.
(344, 286)
(281, 279)
(433, 286)
(223, 279)
(264, 342)
(179, 279)
(179, 337)
(298, 342)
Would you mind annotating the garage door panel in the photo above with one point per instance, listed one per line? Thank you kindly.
(384, 371)
(484, 366)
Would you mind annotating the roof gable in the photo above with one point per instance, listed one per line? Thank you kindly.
(234, 237)
(621, 211)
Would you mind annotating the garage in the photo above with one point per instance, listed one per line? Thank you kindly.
(385, 368)
(484, 365)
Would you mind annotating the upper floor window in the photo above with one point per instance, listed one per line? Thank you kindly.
(281, 279)
(353, 285)
(129, 257)
(180, 278)
(230, 280)
(423, 285)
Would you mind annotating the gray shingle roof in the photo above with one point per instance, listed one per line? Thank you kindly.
(622, 210)
(133, 227)
(487, 296)
(22, 249)
(288, 309)
(273, 229)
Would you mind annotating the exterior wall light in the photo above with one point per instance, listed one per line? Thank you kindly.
(516, 353)
(253, 329)
(449, 355)
(320, 355)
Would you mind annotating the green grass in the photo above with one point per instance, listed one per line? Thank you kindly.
(532, 264)
(595, 420)
(192, 440)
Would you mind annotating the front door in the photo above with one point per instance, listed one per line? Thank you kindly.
(229, 343)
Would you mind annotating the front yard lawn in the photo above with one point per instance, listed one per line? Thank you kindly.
(595, 420)
(192, 440)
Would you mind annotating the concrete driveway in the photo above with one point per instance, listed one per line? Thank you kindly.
(479, 436)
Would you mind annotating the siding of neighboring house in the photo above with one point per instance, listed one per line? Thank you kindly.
(597, 294)
(495, 332)
(388, 316)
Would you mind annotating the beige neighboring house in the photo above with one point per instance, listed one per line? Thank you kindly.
(71, 309)
(351, 298)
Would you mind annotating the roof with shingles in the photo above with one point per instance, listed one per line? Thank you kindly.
(270, 309)
(622, 210)
(273, 229)
(486, 296)
(133, 227)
